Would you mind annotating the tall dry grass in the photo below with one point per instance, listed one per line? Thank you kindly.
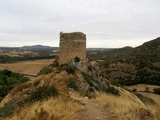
(128, 107)
(52, 109)
(57, 80)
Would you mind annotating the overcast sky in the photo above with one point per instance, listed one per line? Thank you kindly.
(106, 23)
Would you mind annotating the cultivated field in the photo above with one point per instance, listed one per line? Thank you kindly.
(14, 53)
(153, 96)
(27, 67)
(142, 87)
(141, 90)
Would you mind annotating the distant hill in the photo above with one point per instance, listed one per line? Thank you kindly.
(79, 91)
(99, 49)
(35, 52)
(40, 47)
(133, 65)
(43, 47)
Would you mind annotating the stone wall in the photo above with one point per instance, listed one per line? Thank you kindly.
(72, 45)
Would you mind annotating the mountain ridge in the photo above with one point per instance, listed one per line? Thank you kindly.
(132, 66)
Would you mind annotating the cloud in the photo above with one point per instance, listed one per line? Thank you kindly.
(1, 34)
(105, 21)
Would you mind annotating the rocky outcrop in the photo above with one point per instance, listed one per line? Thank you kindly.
(89, 76)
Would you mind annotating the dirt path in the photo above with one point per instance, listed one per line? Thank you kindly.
(91, 110)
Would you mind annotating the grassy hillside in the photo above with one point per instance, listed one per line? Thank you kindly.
(132, 65)
(68, 92)
(74, 95)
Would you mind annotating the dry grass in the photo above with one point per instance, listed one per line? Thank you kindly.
(142, 87)
(141, 90)
(27, 67)
(20, 88)
(125, 107)
(15, 53)
(128, 107)
(57, 80)
(61, 82)
(153, 96)
(53, 109)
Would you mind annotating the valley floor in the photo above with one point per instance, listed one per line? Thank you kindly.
(141, 90)
(28, 68)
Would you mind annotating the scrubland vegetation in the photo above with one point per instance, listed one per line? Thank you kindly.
(124, 106)
(128, 106)
(8, 80)
(59, 108)
(131, 66)
(12, 55)
(63, 92)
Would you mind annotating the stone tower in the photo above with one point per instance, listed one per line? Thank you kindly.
(72, 45)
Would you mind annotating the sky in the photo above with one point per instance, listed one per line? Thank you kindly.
(106, 23)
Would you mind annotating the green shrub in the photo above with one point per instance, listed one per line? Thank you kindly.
(89, 67)
(112, 90)
(43, 93)
(76, 59)
(4, 90)
(8, 80)
(68, 68)
(7, 110)
(146, 89)
(157, 90)
(115, 82)
(72, 83)
(1, 98)
(55, 64)
(134, 90)
(107, 82)
(88, 78)
(45, 70)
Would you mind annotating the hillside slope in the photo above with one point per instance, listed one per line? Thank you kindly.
(134, 65)
(69, 94)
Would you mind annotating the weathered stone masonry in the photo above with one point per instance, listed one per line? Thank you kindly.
(72, 45)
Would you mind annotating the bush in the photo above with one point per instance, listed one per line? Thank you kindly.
(72, 83)
(146, 89)
(134, 90)
(7, 110)
(43, 93)
(4, 90)
(66, 67)
(8, 80)
(55, 64)
(157, 90)
(76, 59)
(115, 82)
(88, 78)
(89, 67)
(45, 70)
(1, 98)
(112, 90)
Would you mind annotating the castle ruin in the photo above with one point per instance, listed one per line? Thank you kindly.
(72, 45)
